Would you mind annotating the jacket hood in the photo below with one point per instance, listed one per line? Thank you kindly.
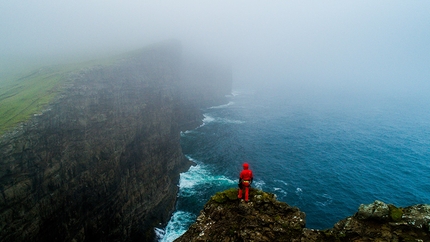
(245, 166)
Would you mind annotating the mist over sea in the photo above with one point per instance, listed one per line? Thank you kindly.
(324, 156)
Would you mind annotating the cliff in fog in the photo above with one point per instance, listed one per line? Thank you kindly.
(102, 161)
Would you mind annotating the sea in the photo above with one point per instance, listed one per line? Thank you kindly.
(324, 155)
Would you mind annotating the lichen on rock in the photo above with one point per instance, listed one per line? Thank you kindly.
(263, 218)
(376, 210)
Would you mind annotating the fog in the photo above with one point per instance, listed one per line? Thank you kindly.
(308, 48)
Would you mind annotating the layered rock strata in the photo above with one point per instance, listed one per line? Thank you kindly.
(226, 218)
(102, 162)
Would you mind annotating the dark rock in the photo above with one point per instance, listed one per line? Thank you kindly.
(386, 223)
(102, 162)
(226, 218)
(376, 210)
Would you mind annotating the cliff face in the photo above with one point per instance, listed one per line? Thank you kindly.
(102, 162)
(226, 218)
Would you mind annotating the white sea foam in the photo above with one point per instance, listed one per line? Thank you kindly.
(176, 226)
(159, 233)
(299, 193)
(280, 191)
(207, 119)
(325, 200)
(199, 175)
(236, 93)
(222, 106)
(196, 176)
(281, 181)
(190, 178)
(259, 184)
(184, 133)
(229, 121)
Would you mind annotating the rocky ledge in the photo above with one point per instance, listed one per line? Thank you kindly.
(226, 218)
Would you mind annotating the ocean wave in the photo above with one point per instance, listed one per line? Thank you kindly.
(210, 119)
(281, 181)
(183, 133)
(280, 191)
(177, 226)
(206, 119)
(222, 106)
(159, 233)
(199, 175)
(325, 200)
(190, 183)
(234, 94)
(229, 121)
(259, 184)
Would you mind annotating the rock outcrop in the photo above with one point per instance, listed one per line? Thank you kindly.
(226, 218)
(102, 162)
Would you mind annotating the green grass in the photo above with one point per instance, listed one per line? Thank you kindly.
(25, 95)
(27, 92)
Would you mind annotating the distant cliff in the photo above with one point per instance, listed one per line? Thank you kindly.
(226, 218)
(102, 161)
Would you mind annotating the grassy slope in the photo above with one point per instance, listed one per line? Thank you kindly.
(23, 96)
(27, 92)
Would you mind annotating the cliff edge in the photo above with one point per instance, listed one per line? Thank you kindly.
(102, 161)
(226, 218)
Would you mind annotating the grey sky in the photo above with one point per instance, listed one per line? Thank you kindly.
(330, 45)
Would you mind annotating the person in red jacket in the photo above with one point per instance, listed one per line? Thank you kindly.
(245, 180)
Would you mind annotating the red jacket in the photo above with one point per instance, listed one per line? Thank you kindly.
(246, 174)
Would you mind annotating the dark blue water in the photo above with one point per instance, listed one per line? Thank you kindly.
(325, 157)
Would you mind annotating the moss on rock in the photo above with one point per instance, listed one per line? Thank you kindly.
(224, 196)
(263, 218)
(395, 213)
